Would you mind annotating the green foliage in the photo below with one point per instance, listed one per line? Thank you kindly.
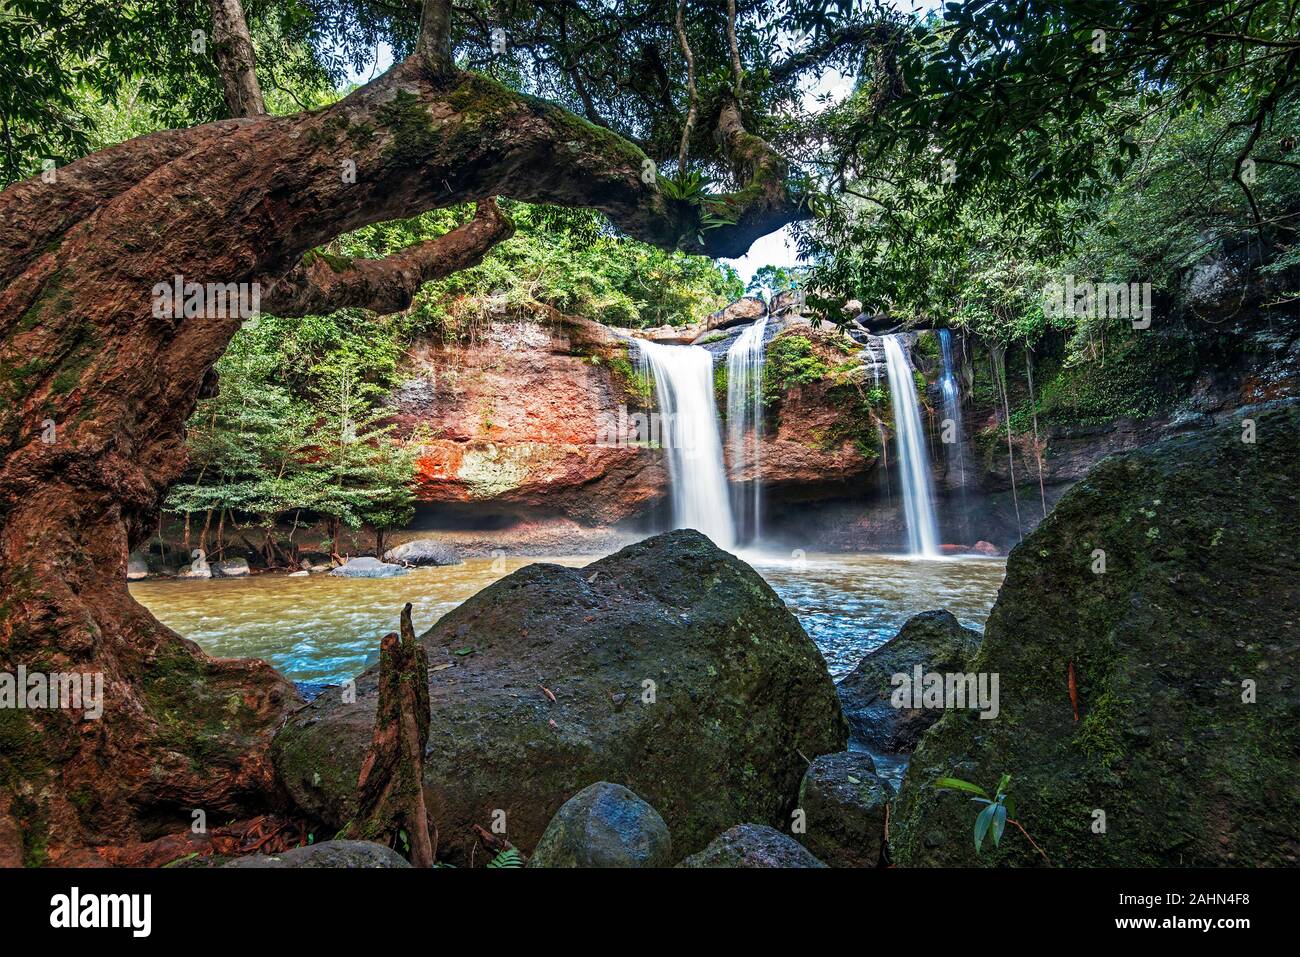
(77, 77)
(997, 809)
(298, 428)
(791, 361)
(509, 858)
(569, 260)
(775, 279)
(1139, 375)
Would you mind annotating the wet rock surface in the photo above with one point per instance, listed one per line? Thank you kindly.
(331, 854)
(932, 640)
(423, 551)
(367, 568)
(844, 802)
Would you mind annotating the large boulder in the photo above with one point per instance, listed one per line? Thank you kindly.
(367, 568)
(1158, 598)
(844, 803)
(604, 825)
(753, 845)
(332, 854)
(670, 666)
(935, 641)
(741, 312)
(423, 551)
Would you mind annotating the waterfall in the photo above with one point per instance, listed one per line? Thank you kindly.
(744, 426)
(952, 408)
(914, 470)
(688, 431)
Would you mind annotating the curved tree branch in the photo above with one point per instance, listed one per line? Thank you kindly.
(766, 201)
(320, 285)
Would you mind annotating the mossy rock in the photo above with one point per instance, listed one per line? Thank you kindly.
(844, 804)
(670, 667)
(1197, 604)
(752, 846)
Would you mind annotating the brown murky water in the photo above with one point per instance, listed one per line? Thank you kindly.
(326, 629)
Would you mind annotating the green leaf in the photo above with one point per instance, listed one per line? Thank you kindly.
(957, 784)
(982, 824)
(999, 823)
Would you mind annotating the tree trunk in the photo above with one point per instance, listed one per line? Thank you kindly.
(91, 343)
(233, 49)
(390, 788)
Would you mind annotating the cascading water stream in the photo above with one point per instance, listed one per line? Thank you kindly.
(744, 427)
(953, 438)
(914, 471)
(688, 431)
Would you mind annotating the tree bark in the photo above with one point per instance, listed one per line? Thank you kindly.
(233, 48)
(390, 788)
(88, 345)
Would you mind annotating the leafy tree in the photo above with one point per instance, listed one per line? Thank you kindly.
(775, 279)
(363, 477)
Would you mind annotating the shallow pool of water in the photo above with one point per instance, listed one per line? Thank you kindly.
(326, 629)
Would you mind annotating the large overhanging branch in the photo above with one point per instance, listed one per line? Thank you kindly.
(323, 284)
(766, 202)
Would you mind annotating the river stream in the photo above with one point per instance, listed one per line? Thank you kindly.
(326, 629)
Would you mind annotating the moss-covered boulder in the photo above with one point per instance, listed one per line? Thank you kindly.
(604, 825)
(844, 801)
(1160, 599)
(752, 845)
(670, 666)
(933, 640)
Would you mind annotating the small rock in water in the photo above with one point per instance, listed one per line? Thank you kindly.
(234, 568)
(327, 854)
(136, 569)
(423, 551)
(933, 640)
(368, 568)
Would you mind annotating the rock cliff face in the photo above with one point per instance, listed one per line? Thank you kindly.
(514, 419)
(518, 428)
